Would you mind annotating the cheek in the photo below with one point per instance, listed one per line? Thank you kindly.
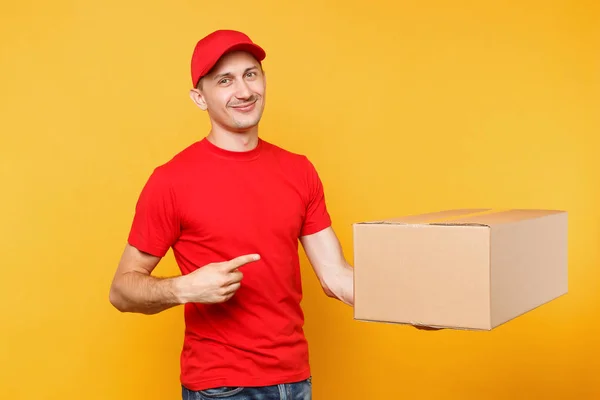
(219, 102)
(258, 88)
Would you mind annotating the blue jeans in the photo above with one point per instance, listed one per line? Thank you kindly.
(289, 391)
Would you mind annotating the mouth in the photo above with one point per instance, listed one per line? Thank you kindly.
(245, 107)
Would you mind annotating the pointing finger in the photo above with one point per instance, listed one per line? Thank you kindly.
(237, 262)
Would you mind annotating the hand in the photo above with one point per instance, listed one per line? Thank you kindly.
(213, 283)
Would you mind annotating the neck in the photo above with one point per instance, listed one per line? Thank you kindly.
(234, 141)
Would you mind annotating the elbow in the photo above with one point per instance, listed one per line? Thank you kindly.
(339, 286)
(116, 299)
(327, 290)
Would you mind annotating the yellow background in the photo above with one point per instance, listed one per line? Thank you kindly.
(404, 107)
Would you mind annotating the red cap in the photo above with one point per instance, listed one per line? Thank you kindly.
(211, 48)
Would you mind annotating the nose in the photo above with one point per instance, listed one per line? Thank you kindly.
(242, 90)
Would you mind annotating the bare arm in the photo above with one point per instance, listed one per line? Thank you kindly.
(324, 252)
(134, 289)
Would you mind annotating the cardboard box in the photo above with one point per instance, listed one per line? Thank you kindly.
(461, 269)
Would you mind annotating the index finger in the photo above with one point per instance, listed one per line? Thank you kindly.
(237, 262)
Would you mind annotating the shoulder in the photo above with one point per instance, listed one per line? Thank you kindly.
(164, 178)
(190, 154)
(178, 163)
(297, 167)
(287, 157)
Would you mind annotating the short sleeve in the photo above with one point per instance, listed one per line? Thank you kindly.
(155, 227)
(317, 216)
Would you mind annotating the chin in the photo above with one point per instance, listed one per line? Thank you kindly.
(246, 123)
(243, 128)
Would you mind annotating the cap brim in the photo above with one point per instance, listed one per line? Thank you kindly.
(251, 48)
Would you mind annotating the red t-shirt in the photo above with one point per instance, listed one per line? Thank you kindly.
(211, 205)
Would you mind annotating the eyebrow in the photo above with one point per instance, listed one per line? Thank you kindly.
(224, 74)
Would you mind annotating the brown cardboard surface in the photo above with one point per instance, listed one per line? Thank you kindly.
(436, 216)
(464, 269)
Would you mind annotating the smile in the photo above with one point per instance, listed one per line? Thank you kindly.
(245, 107)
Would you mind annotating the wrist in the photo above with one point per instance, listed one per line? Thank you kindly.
(179, 289)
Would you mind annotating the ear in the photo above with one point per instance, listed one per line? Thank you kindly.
(198, 99)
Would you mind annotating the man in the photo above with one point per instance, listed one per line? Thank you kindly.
(233, 208)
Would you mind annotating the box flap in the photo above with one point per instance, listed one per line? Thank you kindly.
(504, 216)
(435, 216)
(445, 217)
(474, 216)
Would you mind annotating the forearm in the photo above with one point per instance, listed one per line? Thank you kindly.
(138, 292)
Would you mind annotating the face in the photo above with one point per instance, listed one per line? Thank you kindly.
(233, 92)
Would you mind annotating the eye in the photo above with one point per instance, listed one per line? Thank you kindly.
(224, 81)
(251, 74)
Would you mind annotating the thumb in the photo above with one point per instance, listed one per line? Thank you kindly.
(237, 262)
